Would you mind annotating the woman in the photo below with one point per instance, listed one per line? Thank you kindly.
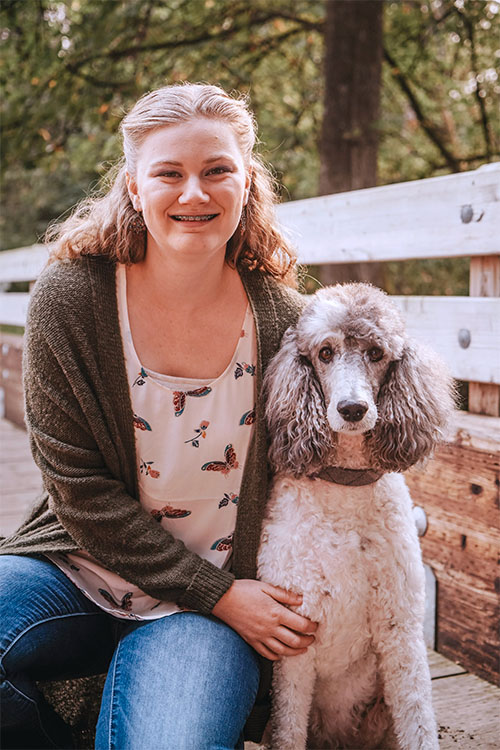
(146, 342)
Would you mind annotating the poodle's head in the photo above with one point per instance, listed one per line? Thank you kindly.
(348, 367)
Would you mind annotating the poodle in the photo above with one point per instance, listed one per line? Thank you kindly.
(351, 403)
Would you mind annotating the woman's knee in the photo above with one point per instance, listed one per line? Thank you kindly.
(197, 677)
(34, 589)
(49, 630)
(27, 593)
(203, 650)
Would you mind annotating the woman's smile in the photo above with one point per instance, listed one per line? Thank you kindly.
(195, 217)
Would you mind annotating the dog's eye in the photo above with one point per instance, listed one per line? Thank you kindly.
(325, 353)
(375, 353)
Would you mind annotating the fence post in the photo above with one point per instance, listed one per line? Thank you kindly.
(484, 281)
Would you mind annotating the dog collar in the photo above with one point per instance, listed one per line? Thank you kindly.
(349, 477)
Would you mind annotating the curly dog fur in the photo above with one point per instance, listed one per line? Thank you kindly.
(348, 389)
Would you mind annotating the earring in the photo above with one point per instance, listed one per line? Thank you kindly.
(243, 219)
(137, 224)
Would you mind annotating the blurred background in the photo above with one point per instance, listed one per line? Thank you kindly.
(348, 94)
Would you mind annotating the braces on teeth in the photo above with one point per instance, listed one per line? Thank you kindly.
(194, 218)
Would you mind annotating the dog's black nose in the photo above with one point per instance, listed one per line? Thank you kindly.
(352, 411)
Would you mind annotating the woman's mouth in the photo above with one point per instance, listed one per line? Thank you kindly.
(197, 217)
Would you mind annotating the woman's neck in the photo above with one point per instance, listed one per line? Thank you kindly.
(185, 317)
(174, 283)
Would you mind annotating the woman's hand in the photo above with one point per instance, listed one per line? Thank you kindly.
(255, 610)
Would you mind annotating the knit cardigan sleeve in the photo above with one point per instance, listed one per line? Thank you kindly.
(76, 442)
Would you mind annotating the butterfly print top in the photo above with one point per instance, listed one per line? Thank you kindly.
(192, 438)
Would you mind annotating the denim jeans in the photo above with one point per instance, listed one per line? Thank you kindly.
(186, 681)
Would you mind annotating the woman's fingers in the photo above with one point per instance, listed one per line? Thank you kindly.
(266, 652)
(279, 649)
(259, 613)
(292, 620)
(286, 643)
(293, 639)
(283, 595)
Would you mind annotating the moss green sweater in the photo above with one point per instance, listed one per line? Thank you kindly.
(80, 423)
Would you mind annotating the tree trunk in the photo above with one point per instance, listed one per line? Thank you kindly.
(349, 137)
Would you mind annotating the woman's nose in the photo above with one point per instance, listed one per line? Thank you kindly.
(192, 190)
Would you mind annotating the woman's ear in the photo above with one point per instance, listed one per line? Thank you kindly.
(295, 411)
(133, 192)
(248, 183)
(414, 405)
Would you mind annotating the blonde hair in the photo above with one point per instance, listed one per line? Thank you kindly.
(104, 225)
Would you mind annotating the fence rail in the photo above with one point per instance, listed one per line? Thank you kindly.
(441, 217)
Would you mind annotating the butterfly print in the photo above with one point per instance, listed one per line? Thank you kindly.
(126, 602)
(141, 378)
(242, 367)
(248, 417)
(141, 423)
(200, 432)
(225, 466)
(179, 398)
(147, 470)
(169, 512)
(228, 497)
(223, 544)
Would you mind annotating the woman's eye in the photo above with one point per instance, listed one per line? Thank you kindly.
(325, 353)
(169, 174)
(375, 353)
(218, 170)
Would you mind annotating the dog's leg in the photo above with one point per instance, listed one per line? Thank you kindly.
(293, 685)
(407, 687)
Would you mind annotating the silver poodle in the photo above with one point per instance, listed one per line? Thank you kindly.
(351, 403)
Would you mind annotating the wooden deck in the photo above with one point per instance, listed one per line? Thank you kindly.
(20, 480)
(467, 708)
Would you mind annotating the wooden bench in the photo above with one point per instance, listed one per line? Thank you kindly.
(456, 215)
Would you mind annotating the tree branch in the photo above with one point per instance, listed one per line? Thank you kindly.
(205, 36)
(480, 157)
(268, 45)
(117, 85)
(481, 103)
(431, 131)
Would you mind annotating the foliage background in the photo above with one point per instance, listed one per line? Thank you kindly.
(69, 71)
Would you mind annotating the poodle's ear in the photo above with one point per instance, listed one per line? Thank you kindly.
(414, 405)
(295, 410)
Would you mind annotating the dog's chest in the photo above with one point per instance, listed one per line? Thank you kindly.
(326, 548)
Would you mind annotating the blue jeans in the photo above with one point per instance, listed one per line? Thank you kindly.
(186, 682)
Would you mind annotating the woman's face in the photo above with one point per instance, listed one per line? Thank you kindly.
(191, 184)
